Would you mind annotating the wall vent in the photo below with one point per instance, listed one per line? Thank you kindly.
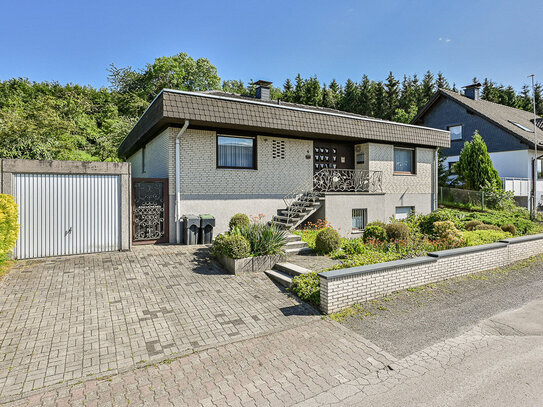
(278, 149)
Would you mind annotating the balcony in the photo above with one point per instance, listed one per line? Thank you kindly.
(336, 180)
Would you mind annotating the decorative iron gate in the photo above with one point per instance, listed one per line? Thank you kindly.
(150, 210)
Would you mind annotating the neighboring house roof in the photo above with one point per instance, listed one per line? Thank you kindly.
(502, 116)
(228, 111)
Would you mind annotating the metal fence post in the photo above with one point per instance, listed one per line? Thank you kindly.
(483, 200)
(441, 193)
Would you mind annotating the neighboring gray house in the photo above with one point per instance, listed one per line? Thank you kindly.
(508, 133)
(219, 153)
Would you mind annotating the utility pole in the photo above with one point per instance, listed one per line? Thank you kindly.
(535, 176)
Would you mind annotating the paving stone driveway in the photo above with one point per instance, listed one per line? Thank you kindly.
(67, 319)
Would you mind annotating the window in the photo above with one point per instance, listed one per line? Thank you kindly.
(402, 212)
(539, 171)
(235, 152)
(359, 158)
(360, 219)
(143, 159)
(456, 132)
(451, 166)
(520, 126)
(404, 160)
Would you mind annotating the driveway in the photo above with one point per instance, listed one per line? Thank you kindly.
(69, 319)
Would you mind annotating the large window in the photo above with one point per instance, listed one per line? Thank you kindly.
(360, 219)
(235, 152)
(404, 160)
(456, 132)
(403, 212)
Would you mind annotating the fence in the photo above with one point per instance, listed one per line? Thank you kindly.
(464, 198)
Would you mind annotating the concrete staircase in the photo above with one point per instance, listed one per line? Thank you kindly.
(303, 206)
(295, 245)
(283, 273)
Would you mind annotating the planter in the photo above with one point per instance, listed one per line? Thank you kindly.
(250, 264)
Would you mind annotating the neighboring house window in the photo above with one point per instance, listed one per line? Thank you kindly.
(404, 160)
(360, 218)
(402, 212)
(539, 169)
(235, 152)
(456, 132)
(143, 159)
(451, 166)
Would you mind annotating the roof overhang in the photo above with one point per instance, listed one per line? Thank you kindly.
(173, 107)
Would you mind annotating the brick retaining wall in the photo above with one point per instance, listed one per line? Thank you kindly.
(342, 288)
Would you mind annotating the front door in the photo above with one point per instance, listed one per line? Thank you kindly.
(150, 210)
(327, 154)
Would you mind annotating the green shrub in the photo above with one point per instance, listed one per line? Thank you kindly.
(487, 227)
(519, 217)
(327, 241)
(510, 229)
(218, 244)
(397, 231)
(375, 231)
(9, 229)
(440, 215)
(236, 247)
(472, 224)
(307, 287)
(239, 220)
(263, 239)
(353, 246)
(478, 237)
(446, 231)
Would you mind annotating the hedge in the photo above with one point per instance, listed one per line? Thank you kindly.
(9, 228)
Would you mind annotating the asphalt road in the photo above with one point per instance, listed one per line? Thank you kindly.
(409, 321)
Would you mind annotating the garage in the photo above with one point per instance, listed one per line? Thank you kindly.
(68, 207)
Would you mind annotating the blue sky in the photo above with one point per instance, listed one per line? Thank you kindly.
(75, 41)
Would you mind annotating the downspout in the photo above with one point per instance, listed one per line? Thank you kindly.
(178, 183)
(436, 181)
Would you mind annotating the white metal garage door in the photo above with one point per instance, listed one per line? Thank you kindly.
(67, 214)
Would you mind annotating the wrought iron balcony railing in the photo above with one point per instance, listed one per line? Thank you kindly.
(336, 180)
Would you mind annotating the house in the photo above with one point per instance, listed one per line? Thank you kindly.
(218, 153)
(508, 133)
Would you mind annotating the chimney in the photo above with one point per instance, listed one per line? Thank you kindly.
(472, 91)
(263, 90)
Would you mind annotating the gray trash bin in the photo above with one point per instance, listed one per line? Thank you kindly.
(207, 222)
(191, 226)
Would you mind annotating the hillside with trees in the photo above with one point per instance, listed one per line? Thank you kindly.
(48, 120)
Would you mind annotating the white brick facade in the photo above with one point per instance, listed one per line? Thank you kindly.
(156, 158)
(365, 284)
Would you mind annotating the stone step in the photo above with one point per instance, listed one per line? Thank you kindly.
(293, 238)
(299, 244)
(291, 269)
(303, 250)
(279, 277)
(285, 219)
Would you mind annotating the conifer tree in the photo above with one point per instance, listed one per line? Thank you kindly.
(392, 94)
(365, 97)
(288, 91)
(474, 167)
(298, 96)
(349, 101)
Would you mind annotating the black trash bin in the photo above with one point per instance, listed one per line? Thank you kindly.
(191, 226)
(207, 222)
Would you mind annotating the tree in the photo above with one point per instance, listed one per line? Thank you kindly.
(426, 89)
(288, 91)
(312, 92)
(349, 101)
(441, 82)
(365, 97)
(474, 167)
(299, 89)
(179, 71)
(392, 95)
(234, 86)
(379, 100)
(331, 95)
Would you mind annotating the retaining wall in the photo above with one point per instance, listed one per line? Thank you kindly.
(345, 287)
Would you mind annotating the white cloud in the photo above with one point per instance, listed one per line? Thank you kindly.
(445, 39)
